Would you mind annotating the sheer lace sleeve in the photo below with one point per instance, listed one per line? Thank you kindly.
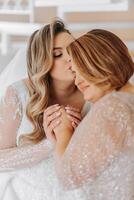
(98, 140)
(12, 157)
(24, 156)
(10, 118)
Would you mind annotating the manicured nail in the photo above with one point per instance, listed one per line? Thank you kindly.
(57, 107)
(68, 111)
(58, 114)
(66, 107)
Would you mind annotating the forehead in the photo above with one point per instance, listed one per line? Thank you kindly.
(63, 40)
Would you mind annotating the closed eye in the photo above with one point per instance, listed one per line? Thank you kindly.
(57, 52)
(58, 55)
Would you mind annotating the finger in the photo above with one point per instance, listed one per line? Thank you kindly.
(51, 109)
(74, 125)
(74, 114)
(50, 133)
(53, 125)
(72, 108)
(49, 112)
(52, 117)
(73, 119)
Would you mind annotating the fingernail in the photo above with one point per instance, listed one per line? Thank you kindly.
(66, 107)
(57, 107)
(58, 114)
(68, 111)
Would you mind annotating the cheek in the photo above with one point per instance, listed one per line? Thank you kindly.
(55, 73)
(57, 66)
(57, 63)
(93, 94)
(90, 93)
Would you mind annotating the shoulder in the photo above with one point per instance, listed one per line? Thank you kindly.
(16, 92)
(112, 107)
(19, 88)
(19, 85)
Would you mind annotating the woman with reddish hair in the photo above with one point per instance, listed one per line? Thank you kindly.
(98, 157)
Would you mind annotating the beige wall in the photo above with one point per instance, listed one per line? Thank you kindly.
(44, 15)
(14, 17)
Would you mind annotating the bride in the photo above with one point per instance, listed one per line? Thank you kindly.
(27, 109)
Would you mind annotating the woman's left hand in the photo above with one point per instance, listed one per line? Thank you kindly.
(74, 114)
(65, 124)
(63, 132)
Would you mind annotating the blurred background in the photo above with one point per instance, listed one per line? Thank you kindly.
(19, 18)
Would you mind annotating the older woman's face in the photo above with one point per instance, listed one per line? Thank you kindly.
(90, 91)
(62, 64)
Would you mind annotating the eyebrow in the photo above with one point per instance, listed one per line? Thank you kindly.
(55, 48)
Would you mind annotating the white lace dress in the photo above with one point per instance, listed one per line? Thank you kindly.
(99, 160)
(27, 172)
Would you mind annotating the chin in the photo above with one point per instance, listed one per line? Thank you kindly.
(92, 99)
(87, 98)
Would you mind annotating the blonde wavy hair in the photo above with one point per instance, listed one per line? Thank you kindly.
(102, 58)
(39, 64)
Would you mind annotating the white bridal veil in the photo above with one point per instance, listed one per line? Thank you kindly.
(14, 71)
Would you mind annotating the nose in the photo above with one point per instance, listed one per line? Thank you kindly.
(68, 61)
(78, 80)
(68, 58)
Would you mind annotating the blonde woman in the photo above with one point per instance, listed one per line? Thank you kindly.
(99, 156)
(27, 112)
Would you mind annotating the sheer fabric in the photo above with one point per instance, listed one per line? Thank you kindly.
(100, 155)
(11, 111)
(16, 70)
(10, 118)
(26, 172)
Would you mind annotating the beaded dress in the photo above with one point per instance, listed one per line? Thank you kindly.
(99, 160)
(26, 172)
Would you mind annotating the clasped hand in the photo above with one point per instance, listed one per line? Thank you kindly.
(59, 121)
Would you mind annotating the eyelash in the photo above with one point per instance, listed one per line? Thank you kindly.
(58, 56)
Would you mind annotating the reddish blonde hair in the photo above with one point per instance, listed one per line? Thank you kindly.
(102, 58)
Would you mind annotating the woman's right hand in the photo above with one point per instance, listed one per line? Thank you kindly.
(51, 119)
(50, 115)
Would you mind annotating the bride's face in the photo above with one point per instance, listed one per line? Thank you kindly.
(61, 66)
(90, 91)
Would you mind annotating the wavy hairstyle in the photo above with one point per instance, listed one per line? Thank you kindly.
(39, 64)
(102, 58)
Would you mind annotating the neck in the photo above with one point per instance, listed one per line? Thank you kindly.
(61, 90)
(127, 88)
